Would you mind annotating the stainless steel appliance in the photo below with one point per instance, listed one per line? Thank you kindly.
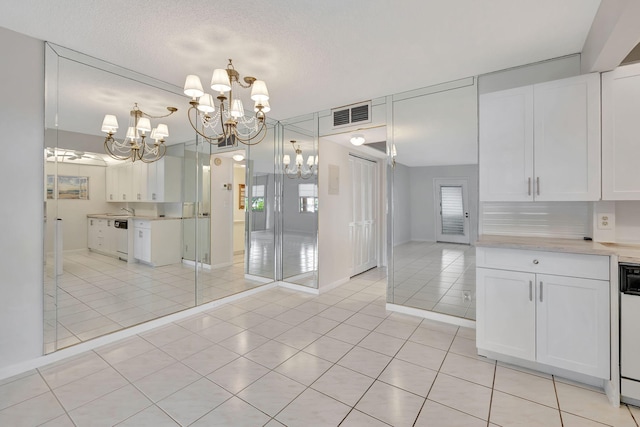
(122, 238)
(630, 332)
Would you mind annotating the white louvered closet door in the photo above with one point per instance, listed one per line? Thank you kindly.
(362, 227)
(452, 212)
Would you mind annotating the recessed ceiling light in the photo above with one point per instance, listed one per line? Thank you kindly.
(357, 139)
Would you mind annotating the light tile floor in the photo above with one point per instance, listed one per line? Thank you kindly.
(98, 294)
(439, 277)
(285, 358)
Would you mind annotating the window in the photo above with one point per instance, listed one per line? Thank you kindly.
(257, 198)
(308, 196)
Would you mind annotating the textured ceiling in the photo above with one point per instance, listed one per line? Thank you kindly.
(314, 55)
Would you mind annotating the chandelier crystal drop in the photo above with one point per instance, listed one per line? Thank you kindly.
(300, 168)
(135, 146)
(224, 122)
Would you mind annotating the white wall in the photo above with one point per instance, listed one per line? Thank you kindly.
(22, 209)
(334, 249)
(74, 212)
(221, 213)
(627, 222)
(401, 205)
(423, 212)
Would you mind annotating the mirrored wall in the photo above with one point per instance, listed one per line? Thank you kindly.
(433, 183)
(299, 161)
(127, 242)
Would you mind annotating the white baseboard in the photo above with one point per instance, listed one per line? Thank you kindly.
(298, 288)
(38, 362)
(258, 278)
(193, 264)
(431, 315)
(333, 285)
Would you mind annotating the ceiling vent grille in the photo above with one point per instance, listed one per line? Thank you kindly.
(359, 113)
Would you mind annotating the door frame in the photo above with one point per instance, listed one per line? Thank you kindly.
(452, 181)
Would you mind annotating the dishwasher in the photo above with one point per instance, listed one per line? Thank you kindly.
(122, 238)
(630, 332)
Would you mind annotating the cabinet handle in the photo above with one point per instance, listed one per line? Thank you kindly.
(537, 185)
(124, 196)
(540, 291)
(530, 290)
(138, 196)
(153, 196)
(110, 196)
(139, 233)
(529, 186)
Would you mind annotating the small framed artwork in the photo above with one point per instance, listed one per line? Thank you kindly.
(69, 187)
(241, 197)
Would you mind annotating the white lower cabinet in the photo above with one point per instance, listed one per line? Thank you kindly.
(101, 236)
(557, 320)
(157, 242)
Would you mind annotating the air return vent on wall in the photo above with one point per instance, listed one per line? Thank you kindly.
(350, 114)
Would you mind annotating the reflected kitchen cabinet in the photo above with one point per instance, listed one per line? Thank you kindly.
(159, 181)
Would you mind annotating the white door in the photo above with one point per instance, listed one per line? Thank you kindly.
(506, 307)
(452, 211)
(362, 227)
(573, 324)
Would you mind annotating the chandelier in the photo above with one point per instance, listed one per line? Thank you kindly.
(135, 145)
(225, 123)
(300, 169)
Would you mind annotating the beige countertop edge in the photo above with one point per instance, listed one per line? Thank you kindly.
(121, 217)
(625, 252)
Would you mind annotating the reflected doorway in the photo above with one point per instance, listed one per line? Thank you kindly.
(363, 224)
(452, 212)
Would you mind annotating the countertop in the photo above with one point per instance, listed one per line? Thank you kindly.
(625, 252)
(140, 217)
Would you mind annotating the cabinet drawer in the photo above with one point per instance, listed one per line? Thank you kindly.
(558, 263)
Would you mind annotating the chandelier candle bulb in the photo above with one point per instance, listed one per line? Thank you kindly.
(193, 86)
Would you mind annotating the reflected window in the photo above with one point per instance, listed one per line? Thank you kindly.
(307, 194)
(257, 198)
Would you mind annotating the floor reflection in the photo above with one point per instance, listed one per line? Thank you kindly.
(98, 294)
(439, 277)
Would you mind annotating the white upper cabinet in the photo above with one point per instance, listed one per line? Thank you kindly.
(506, 145)
(621, 133)
(160, 181)
(541, 142)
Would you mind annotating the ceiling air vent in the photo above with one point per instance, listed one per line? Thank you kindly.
(357, 113)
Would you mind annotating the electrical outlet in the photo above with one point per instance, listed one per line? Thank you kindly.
(605, 222)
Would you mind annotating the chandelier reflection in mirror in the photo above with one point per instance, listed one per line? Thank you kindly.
(225, 123)
(300, 169)
(135, 145)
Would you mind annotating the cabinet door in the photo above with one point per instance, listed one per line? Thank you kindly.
(92, 233)
(111, 181)
(573, 324)
(506, 145)
(139, 181)
(620, 130)
(142, 244)
(125, 185)
(567, 139)
(506, 312)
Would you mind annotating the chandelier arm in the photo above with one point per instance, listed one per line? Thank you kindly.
(253, 140)
(110, 139)
(171, 111)
(208, 138)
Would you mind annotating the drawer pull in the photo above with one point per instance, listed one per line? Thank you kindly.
(536, 262)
